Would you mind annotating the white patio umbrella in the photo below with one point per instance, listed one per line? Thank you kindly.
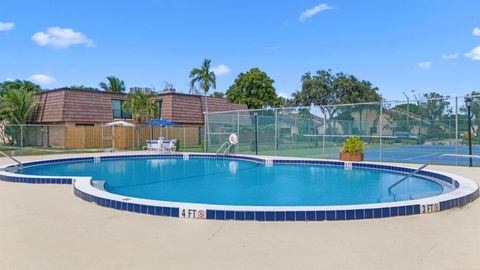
(117, 124)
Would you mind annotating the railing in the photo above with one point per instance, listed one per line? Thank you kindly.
(228, 146)
(12, 158)
(426, 164)
(231, 140)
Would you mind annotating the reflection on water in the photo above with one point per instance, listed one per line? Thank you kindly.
(218, 181)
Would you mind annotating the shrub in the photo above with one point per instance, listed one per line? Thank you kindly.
(299, 137)
(353, 145)
(177, 145)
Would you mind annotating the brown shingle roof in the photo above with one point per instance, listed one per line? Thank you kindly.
(78, 105)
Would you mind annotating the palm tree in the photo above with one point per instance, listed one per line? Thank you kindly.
(205, 79)
(141, 106)
(17, 106)
(114, 85)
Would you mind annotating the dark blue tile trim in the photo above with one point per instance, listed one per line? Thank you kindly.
(251, 215)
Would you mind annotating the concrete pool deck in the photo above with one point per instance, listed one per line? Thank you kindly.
(47, 227)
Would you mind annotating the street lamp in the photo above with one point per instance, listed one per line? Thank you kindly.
(468, 103)
(408, 110)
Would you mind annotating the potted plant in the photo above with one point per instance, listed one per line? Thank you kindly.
(352, 149)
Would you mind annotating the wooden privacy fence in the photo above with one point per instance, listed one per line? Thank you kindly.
(127, 137)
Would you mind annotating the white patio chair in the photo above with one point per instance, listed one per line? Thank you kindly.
(158, 146)
(170, 146)
(149, 146)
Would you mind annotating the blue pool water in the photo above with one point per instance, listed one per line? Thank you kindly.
(234, 182)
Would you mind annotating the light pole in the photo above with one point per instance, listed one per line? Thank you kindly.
(468, 102)
(408, 110)
(420, 121)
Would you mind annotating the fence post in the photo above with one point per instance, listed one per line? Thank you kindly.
(139, 133)
(238, 131)
(276, 131)
(183, 144)
(456, 129)
(48, 136)
(308, 133)
(420, 131)
(205, 132)
(64, 137)
(21, 136)
(324, 130)
(113, 138)
(381, 129)
(256, 132)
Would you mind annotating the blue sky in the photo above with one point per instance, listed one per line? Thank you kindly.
(397, 45)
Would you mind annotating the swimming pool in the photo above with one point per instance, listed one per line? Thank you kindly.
(240, 182)
(252, 188)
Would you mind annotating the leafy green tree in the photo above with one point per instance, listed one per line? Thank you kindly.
(327, 88)
(83, 87)
(114, 85)
(430, 111)
(141, 105)
(19, 84)
(286, 102)
(435, 106)
(254, 88)
(218, 94)
(474, 107)
(475, 114)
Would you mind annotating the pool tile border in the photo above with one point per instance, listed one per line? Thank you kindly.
(466, 192)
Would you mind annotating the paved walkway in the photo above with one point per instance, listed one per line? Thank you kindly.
(47, 227)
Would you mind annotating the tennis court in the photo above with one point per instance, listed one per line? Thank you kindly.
(390, 131)
(422, 154)
(395, 153)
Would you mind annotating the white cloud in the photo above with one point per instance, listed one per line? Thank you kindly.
(425, 65)
(450, 56)
(8, 79)
(474, 54)
(6, 26)
(58, 37)
(476, 31)
(221, 70)
(41, 79)
(313, 11)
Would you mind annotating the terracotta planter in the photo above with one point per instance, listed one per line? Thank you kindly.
(357, 156)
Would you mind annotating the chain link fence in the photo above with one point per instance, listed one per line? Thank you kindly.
(395, 131)
(42, 139)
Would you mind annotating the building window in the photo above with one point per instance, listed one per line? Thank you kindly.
(158, 112)
(118, 111)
